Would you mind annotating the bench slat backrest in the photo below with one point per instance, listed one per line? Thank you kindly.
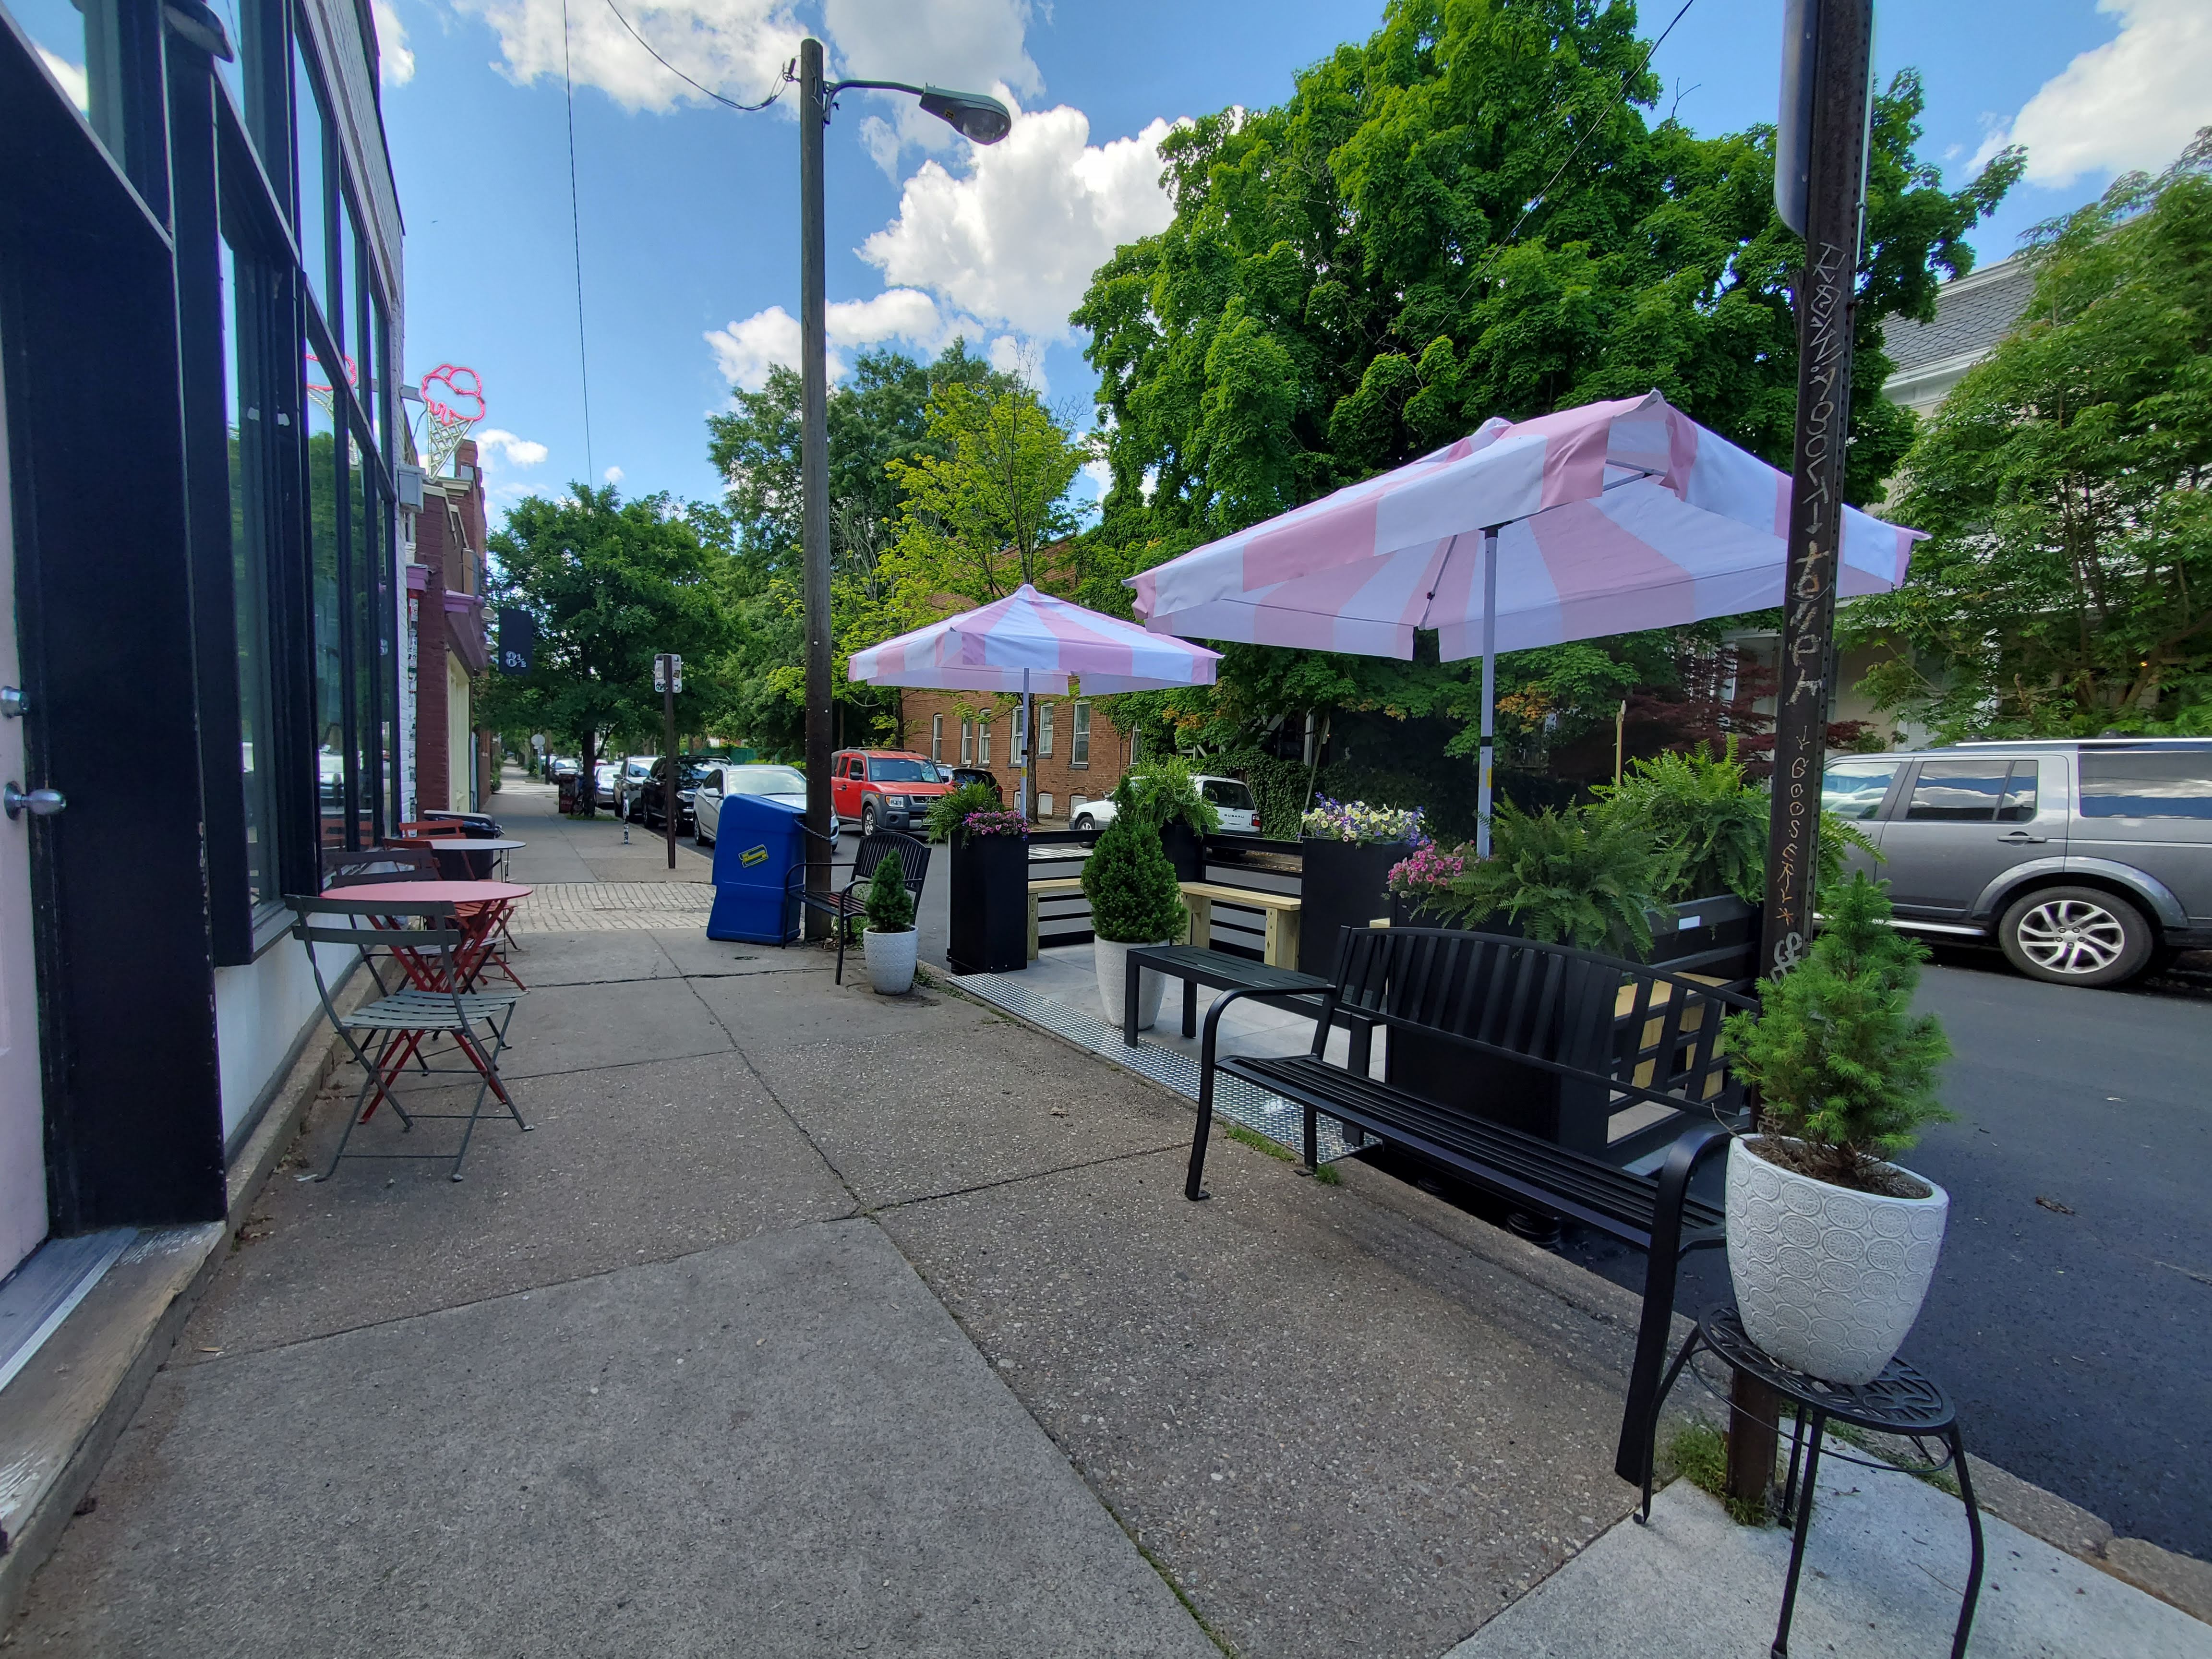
(1553, 1006)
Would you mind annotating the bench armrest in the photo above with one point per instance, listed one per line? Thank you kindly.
(1633, 1456)
(1193, 1185)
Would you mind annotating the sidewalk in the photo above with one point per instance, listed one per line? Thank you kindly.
(806, 1321)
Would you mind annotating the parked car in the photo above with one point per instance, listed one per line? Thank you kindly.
(884, 788)
(634, 769)
(1231, 799)
(2085, 861)
(605, 774)
(960, 776)
(722, 779)
(647, 805)
(563, 766)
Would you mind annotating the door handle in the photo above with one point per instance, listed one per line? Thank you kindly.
(38, 803)
(2022, 838)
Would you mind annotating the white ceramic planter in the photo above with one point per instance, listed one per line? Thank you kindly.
(890, 960)
(1827, 1280)
(1113, 963)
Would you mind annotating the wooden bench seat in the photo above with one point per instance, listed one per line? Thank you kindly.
(1282, 909)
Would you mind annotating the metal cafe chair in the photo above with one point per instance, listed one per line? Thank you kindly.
(403, 1019)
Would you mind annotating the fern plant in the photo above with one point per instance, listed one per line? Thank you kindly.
(1566, 876)
(1158, 792)
(1709, 819)
(1841, 1061)
(948, 810)
(1135, 898)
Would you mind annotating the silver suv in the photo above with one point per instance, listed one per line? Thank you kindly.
(2085, 860)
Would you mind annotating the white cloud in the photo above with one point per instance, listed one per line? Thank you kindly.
(72, 77)
(613, 475)
(745, 351)
(2132, 102)
(515, 451)
(738, 47)
(395, 58)
(1014, 242)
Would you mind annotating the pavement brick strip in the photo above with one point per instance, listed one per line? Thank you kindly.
(588, 907)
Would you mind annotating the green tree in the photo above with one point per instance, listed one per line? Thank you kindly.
(2062, 481)
(610, 584)
(1469, 214)
(876, 415)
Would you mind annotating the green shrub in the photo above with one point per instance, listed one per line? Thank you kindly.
(890, 907)
(1709, 820)
(1158, 792)
(1841, 1061)
(1131, 886)
(946, 812)
(1565, 876)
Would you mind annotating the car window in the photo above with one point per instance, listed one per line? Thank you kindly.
(767, 780)
(2146, 784)
(1854, 789)
(893, 770)
(1971, 791)
(1227, 792)
(711, 780)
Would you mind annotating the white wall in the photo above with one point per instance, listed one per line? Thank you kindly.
(261, 1008)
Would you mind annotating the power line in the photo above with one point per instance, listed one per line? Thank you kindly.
(730, 103)
(576, 242)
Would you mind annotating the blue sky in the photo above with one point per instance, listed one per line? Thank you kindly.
(688, 211)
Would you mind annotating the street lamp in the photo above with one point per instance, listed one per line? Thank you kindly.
(979, 120)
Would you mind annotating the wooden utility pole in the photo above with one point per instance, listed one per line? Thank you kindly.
(1820, 189)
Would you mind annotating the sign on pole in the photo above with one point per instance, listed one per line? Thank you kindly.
(518, 639)
(664, 665)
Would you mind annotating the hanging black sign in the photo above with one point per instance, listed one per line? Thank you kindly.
(517, 641)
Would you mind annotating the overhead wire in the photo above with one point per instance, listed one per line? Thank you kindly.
(576, 242)
(727, 103)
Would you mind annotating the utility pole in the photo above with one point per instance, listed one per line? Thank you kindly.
(668, 680)
(814, 469)
(1820, 189)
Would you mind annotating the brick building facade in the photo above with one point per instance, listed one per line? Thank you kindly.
(1080, 756)
(446, 638)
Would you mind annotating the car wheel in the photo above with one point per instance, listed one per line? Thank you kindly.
(2075, 936)
(1084, 823)
(868, 819)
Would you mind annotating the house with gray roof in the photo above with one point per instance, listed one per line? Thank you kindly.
(1972, 313)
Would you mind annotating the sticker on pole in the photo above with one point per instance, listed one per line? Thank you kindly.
(753, 855)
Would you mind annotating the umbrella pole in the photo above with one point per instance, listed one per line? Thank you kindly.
(1022, 803)
(1489, 690)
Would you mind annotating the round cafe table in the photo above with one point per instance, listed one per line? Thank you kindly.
(480, 908)
(470, 857)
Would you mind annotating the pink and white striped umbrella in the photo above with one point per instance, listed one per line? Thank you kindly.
(1612, 517)
(1031, 641)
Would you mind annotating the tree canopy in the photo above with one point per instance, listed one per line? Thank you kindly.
(2065, 587)
(1469, 214)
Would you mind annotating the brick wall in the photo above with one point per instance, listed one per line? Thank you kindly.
(1056, 772)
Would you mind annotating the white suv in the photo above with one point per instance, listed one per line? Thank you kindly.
(2084, 860)
(1231, 799)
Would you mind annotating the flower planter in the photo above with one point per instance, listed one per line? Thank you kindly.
(1346, 883)
(890, 960)
(1827, 1280)
(1185, 850)
(1112, 960)
(988, 931)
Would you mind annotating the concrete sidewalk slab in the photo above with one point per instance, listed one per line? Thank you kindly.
(1342, 1433)
(1885, 1565)
(770, 1013)
(565, 1027)
(783, 1447)
(547, 960)
(636, 1163)
(1002, 1107)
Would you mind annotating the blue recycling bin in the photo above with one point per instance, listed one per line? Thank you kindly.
(757, 842)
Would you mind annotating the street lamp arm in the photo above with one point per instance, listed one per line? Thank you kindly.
(829, 93)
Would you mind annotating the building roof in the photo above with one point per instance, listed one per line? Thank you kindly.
(1972, 313)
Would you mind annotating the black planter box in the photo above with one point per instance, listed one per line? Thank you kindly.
(1346, 883)
(1185, 850)
(989, 932)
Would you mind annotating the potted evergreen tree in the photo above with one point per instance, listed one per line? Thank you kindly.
(1831, 1245)
(890, 939)
(1134, 900)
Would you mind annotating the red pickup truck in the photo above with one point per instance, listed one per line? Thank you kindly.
(885, 788)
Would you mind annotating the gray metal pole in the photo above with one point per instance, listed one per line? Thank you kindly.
(814, 467)
(1021, 800)
(670, 806)
(1489, 692)
(1841, 83)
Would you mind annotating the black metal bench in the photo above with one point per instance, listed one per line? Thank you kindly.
(1199, 964)
(847, 904)
(1641, 1034)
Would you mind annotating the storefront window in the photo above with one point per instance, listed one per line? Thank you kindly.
(311, 210)
(327, 600)
(247, 423)
(81, 49)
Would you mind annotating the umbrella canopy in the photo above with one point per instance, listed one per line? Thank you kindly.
(1031, 641)
(1609, 518)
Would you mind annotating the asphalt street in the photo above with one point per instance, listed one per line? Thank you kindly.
(2071, 1316)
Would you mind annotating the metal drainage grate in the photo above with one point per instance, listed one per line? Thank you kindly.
(1256, 1109)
